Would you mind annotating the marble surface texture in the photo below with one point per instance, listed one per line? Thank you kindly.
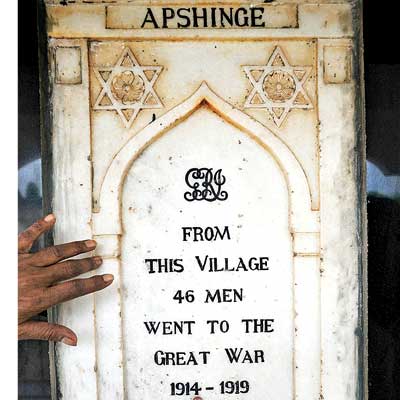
(264, 101)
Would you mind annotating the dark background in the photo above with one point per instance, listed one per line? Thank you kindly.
(382, 88)
(382, 80)
(33, 358)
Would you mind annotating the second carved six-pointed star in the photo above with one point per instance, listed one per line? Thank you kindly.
(278, 86)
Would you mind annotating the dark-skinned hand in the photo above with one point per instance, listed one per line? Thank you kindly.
(42, 281)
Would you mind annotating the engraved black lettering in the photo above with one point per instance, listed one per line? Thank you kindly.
(224, 296)
(197, 17)
(244, 19)
(169, 327)
(226, 17)
(257, 13)
(258, 325)
(239, 355)
(184, 17)
(168, 13)
(149, 18)
(164, 265)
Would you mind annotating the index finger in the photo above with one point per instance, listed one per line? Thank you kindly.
(30, 235)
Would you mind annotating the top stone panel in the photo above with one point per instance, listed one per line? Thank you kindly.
(181, 20)
(133, 2)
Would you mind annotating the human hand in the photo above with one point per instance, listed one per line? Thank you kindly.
(40, 281)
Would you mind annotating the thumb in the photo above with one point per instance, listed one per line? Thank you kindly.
(45, 331)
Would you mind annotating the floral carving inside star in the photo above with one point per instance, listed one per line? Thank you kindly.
(127, 87)
(279, 86)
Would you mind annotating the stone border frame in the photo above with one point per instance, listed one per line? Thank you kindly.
(303, 227)
(350, 378)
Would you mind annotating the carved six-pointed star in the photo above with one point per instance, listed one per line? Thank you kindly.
(127, 87)
(278, 86)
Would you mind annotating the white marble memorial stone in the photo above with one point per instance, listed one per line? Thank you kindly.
(215, 152)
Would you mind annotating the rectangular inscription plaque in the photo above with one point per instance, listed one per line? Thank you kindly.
(215, 152)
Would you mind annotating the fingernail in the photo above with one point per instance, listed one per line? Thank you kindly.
(90, 244)
(49, 218)
(108, 278)
(98, 260)
(68, 341)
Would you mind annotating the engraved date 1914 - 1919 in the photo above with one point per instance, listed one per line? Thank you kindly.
(205, 184)
(225, 387)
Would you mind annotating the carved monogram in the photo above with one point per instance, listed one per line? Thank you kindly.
(205, 185)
